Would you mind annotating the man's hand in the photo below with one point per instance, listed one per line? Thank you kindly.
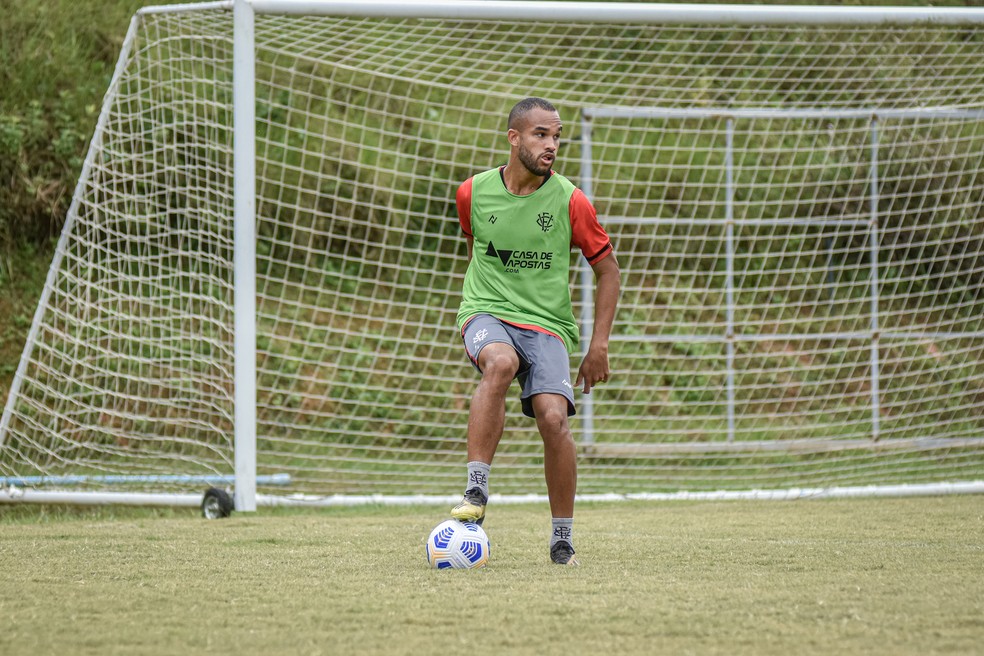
(594, 369)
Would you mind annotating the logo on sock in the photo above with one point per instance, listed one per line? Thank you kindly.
(562, 533)
(478, 478)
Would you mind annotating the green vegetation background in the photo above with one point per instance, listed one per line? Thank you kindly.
(56, 60)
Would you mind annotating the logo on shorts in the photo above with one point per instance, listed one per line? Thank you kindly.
(567, 384)
(480, 336)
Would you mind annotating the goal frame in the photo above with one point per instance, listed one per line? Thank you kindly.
(730, 338)
(243, 13)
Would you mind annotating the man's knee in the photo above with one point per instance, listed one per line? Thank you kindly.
(499, 363)
(551, 417)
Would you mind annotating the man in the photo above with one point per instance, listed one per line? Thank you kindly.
(521, 222)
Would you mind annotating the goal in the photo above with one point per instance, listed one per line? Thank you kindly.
(258, 277)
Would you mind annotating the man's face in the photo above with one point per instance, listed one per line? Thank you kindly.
(537, 139)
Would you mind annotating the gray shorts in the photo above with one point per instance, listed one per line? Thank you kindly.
(544, 364)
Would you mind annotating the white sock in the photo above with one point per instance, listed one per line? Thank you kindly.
(563, 529)
(478, 476)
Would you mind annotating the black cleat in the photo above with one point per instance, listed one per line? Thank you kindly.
(562, 553)
(472, 507)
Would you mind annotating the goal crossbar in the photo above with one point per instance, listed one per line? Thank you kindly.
(623, 12)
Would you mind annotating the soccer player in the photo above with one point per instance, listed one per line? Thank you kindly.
(521, 222)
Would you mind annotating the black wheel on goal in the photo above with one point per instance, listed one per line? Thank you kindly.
(217, 504)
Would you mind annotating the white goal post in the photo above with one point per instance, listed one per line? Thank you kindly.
(257, 280)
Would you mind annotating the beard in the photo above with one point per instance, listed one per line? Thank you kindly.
(532, 162)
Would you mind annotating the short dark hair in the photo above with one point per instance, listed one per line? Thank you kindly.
(525, 106)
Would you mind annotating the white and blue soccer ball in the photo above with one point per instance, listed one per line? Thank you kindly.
(461, 545)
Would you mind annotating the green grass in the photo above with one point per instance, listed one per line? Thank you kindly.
(891, 576)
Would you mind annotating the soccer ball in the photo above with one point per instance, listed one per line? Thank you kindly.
(458, 545)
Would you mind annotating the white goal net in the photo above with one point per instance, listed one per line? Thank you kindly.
(796, 206)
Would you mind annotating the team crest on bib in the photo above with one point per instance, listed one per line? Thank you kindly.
(544, 220)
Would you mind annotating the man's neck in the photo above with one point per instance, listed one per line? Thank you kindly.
(520, 181)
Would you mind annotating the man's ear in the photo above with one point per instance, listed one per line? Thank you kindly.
(513, 136)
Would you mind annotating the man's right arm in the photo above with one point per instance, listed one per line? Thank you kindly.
(462, 201)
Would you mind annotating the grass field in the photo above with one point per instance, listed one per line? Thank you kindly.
(887, 576)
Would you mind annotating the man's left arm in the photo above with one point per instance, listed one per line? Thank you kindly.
(594, 368)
